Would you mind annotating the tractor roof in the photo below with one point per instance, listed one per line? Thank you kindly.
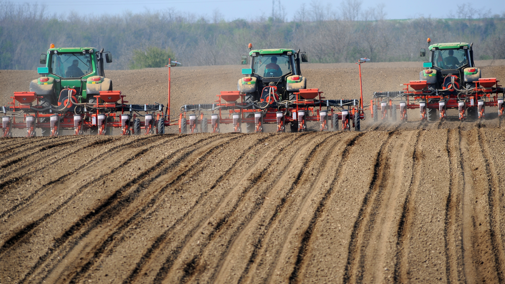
(450, 45)
(272, 51)
(71, 49)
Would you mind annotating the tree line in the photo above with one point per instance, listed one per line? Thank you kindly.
(327, 36)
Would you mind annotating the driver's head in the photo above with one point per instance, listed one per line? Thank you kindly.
(451, 52)
(274, 59)
(75, 62)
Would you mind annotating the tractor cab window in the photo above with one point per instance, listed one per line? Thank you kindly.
(71, 65)
(272, 65)
(450, 58)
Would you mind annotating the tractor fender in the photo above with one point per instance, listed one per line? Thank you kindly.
(247, 85)
(472, 76)
(94, 89)
(428, 75)
(293, 84)
(41, 87)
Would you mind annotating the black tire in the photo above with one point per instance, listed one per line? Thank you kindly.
(205, 125)
(293, 126)
(46, 131)
(393, 112)
(357, 122)
(432, 114)
(334, 122)
(161, 126)
(250, 127)
(375, 114)
(472, 113)
(109, 129)
(184, 126)
(136, 126)
(93, 130)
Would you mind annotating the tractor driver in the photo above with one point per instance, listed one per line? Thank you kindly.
(74, 71)
(272, 69)
(451, 60)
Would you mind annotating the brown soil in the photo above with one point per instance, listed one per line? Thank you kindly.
(400, 202)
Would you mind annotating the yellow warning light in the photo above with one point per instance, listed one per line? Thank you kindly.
(249, 45)
(428, 40)
(52, 45)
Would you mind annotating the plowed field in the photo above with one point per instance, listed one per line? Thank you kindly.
(399, 202)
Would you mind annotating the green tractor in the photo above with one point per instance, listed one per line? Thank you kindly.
(450, 63)
(450, 80)
(273, 67)
(70, 73)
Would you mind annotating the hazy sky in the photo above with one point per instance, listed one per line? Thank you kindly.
(233, 9)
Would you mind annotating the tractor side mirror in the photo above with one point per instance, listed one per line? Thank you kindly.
(422, 53)
(43, 58)
(108, 57)
(305, 58)
(243, 60)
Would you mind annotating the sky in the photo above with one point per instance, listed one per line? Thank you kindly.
(243, 9)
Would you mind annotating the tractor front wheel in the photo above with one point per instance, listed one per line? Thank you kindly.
(250, 128)
(161, 126)
(45, 103)
(205, 125)
(94, 129)
(432, 114)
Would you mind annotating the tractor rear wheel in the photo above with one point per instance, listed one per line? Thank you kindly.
(205, 125)
(184, 126)
(45, 103)
(161, 126)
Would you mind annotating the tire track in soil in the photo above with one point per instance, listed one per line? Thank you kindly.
(382, 224)
(493, 199)
(27, 229)
(11, 165)
(14, 157)
(122, 203)
(24, 171)
(254, 178)
(268, 216)
(404, 226)
(54, 182)
(108, 248)
(151, 252)
(353, 269)
(308, 233)
(454, 251)
(101, 213)
(481, 260)
(29, 168)
(16, 143)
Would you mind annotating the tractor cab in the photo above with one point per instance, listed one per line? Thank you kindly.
(279, 68)
(450, 62)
